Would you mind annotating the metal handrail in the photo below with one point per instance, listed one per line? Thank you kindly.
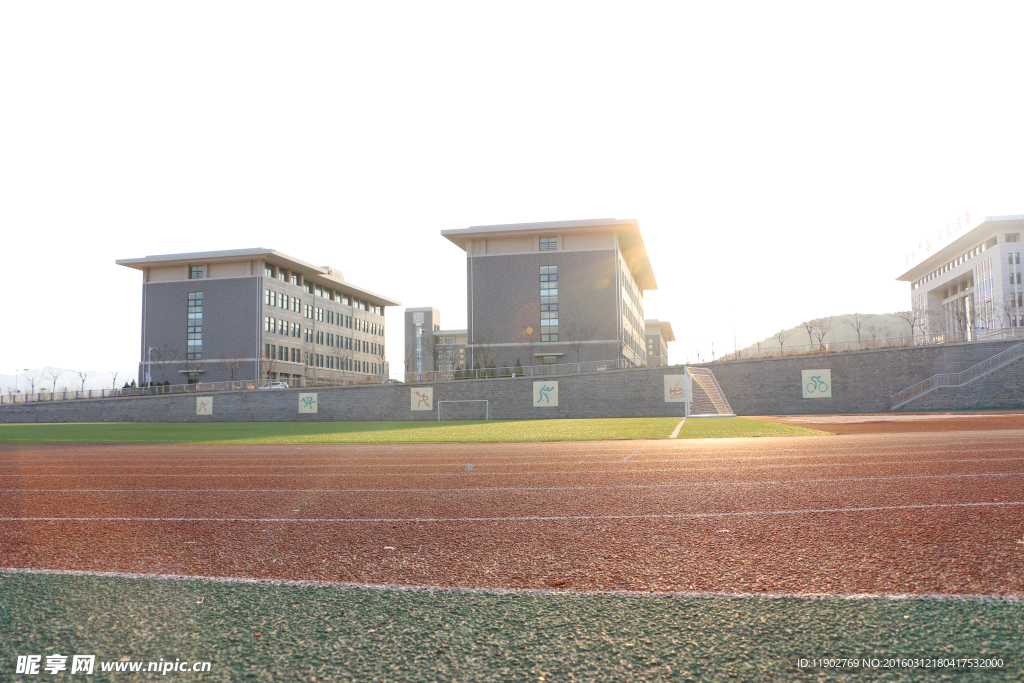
(955, 379)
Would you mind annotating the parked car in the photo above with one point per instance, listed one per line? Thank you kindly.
(274, 385)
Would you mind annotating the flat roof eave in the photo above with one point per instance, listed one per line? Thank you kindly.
(246, 254)
(991, 224)
(628, 229)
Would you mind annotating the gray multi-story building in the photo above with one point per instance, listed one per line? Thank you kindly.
(566, 291)
(658, 334)
(428, 348)
(246, 314)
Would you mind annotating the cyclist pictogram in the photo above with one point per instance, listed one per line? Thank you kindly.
(816, 385)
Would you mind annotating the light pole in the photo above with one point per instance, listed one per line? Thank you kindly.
(149, 368)
(735, 348)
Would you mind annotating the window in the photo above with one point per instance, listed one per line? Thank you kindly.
(195, 326)
(268, 271)
(548, 243)
(1013, 237)
(195, 272)
(295, 278)
(283, 300)
(282, 275)
(548, 304)
(308, 287)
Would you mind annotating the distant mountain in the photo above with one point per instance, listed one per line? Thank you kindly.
(873, 326)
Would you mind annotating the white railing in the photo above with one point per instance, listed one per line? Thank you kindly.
(870, 344)
(338, 380)
(955, 379)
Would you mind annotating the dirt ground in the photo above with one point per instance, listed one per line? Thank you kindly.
(895, 511)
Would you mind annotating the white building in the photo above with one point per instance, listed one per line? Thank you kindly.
(972, 284)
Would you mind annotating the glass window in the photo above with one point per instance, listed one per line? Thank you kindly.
(295, 278)
(268, 271)
(548, 243)
(195, 272)
(282, 275)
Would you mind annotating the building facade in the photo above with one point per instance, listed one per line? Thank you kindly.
(428, 348)
(658, 333)
(567, 291)
(248, 314)
(973, 284)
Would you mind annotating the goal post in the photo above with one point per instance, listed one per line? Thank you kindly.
(486, 407)
(704, 398)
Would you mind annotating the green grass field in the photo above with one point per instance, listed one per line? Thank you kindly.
(392, 432)
(350, 634)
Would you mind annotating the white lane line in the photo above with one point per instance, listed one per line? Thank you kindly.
(588, 461)
(960, 597)
(675, 432)
(577, 472)
(536, 518)
(712, 446)
(691, 484)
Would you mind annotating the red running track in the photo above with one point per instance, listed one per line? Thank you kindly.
(921, 513)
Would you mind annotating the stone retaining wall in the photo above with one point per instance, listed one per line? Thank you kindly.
(861, 382)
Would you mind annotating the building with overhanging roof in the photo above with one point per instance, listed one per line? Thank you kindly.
(973, 283)
(658, 334)
(555, 292)
(245, 314)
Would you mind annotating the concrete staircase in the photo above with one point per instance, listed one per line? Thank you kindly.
(975, 372)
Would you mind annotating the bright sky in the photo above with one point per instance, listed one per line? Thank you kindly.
(781, 158)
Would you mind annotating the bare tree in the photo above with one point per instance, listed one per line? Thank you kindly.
(163, 356)
(84, 375)
(1008, 311)
(822, 326)
(379, 356)
(781, 336)
(268, 366)
(34, 376)
(485, 347)
(907, 317)
(920, 314)
(233, 362)
(809, 326)
(572, 335)
(530, 340)
(193, 367)
(55, 374)
(856, 321)
(876, 327)
(113, 379)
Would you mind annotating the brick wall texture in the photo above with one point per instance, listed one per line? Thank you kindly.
(861, 382)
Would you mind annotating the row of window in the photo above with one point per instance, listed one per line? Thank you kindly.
(322, 337)
(282, 300)
(1013, 258)
(195, 325)
(288, 354)
(319, 290)
(548, 302)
